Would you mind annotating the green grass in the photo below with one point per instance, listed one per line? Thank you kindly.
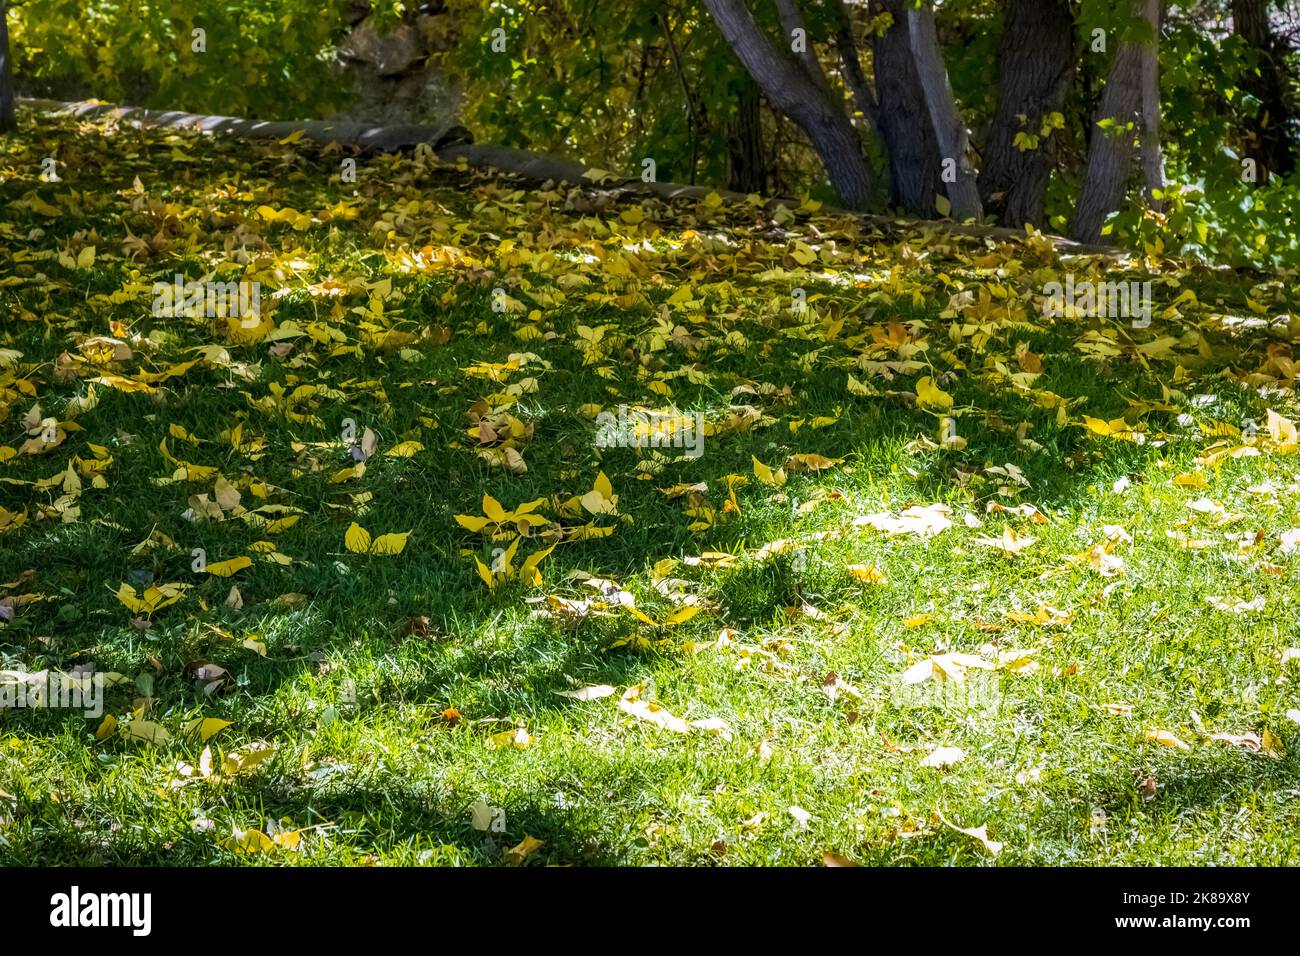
(380, 776)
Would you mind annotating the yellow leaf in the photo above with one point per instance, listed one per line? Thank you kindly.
(264, 519)
(655, 713)
(810, 462)
(206, 727)
(357, 539)
(248, 841)
(525, 848)
(471, 522)
(404, 449)
(246, 758)
(38, 204)
(638, 614)
(868, 574)
(931, 397)
(601, 500)
(123, 384)
(485, 573)
(508, 558)
(1115, 428)
(1010, 544)
(528, 572)
(107, 727)
(1272, 744)
(945, 667)
(224, 569)
(860, 388)
(766, 475)
(651, 711)
(519, 738)
(389, 544)
(154, 598)
(682, 615)
(347, 474)
(1167, 739)
(288, 839)
(492, 508)
(126, 594)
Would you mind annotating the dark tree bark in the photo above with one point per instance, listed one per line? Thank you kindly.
(949, 127)
(1036, 65)
(1269, 143)
(8, 119)
(864, 98)
(747, 162)
(1153, 160)
(1111, 152)
(806, 56)
(792, 92)
(905, 126)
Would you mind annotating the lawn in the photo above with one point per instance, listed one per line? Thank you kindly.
(951, 582)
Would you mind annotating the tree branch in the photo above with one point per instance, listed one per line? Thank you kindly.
(864, 97)
(792, 20)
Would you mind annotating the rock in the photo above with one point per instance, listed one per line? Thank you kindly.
(390, 54)
(437, 33)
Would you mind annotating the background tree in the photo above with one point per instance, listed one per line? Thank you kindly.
(924, 134)
(793, 87)
(1270, 142)
(8, 121)
(1036, 66)
(1121, 113)
(946, 121)
(905, 126)
(1153, 161)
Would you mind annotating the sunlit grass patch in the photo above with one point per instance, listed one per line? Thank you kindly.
(1084, 541)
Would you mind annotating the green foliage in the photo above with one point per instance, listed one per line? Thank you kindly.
(260, 60)
(599, 81)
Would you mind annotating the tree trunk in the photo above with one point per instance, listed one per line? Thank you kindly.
(1153, 161)
(8, 119)
(905, 126)
(1270, 145)
(1036, 66)
(1110, 154)
(747, 166)
(806, 56)
(949, 128)
(790, 90)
